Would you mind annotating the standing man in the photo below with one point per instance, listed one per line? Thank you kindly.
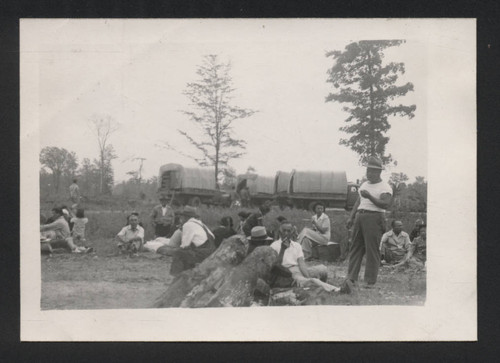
(162, 218)
(395, 243)
(367, 216)
(74, 192)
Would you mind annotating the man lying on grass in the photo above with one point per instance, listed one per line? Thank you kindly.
(291, 259)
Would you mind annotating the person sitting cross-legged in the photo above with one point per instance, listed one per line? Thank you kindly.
(417, 254)
(291, 258)
(131, 237)
(394, 244)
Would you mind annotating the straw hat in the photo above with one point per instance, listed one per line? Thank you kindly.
(259, 233)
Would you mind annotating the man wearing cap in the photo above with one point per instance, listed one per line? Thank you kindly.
(197, 242)
(291, 257)
(162, 218)
(367, 216)
(258, 237)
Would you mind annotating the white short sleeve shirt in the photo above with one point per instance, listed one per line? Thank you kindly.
(292, 253)
(376, 190)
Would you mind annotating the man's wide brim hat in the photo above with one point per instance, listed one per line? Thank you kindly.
(189, 211)
(259, 233)
(374, 163)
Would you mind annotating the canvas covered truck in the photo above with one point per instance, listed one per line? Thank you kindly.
(192, 186)
(260, 188)
(301, 189)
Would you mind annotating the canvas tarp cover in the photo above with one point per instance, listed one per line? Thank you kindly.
(261, 185)
(334, 182)
(283, 183)
(182, 177)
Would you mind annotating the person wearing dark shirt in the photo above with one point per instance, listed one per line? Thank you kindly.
(414, 232)
(255, 219)
(225, 230)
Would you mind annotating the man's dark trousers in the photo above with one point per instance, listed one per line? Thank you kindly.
(367, 233)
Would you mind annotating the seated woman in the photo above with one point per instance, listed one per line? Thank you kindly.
(57, 233)
(318, 234)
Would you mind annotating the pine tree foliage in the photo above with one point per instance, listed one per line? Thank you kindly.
(211, 109)
(368, 88)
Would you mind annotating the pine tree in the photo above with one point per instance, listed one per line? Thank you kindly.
(367, 86)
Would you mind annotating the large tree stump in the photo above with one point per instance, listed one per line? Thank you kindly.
(208, 275)
(220, 280)
(239, 286)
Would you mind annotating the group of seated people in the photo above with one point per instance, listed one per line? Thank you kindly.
(398, 249)
(65, 228)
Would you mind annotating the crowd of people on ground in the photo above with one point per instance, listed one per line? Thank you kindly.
(189, 241)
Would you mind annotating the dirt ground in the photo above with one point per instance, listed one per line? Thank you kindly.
(103, 280)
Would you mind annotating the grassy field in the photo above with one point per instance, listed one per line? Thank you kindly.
(103, 280)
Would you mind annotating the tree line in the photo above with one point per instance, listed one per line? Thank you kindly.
(361, 80)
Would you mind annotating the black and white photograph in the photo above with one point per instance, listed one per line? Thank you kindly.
(248, 179)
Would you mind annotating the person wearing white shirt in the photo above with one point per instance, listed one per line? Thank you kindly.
(318, 234)
(375, 197)
(197, 242)
(131, 237)
(291, 257)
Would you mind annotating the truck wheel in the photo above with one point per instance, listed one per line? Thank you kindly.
(195, 202)
(311, 206)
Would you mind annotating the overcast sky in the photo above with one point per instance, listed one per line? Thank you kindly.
(136, 71)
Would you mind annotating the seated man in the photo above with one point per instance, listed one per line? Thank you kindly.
(417, 254)
(291, 257)
(57, 233)
(258, 237)
(197, 242)
(394, 244)
(131, 237)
